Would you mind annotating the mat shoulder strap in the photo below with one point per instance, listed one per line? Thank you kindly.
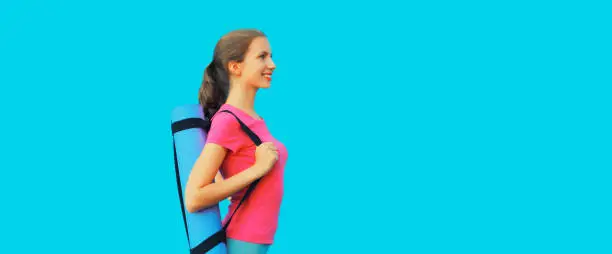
(257, 142)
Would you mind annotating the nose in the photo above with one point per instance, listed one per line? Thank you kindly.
(271, 64)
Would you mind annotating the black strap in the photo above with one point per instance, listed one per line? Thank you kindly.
(180, 190)
(246, 129)
(257, 142)
(189, 123)
(209, 243)
(219, 236)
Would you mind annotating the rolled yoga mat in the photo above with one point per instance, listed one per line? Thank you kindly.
(189, 136)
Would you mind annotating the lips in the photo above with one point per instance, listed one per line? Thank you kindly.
(268, 76)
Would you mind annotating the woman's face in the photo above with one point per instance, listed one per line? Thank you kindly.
(257, 67)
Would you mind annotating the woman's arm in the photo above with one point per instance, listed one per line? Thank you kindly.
(218, 179)
(201, 192)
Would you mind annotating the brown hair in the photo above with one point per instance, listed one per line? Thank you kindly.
(215, 84)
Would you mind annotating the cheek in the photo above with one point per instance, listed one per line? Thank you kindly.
(253, 78)
(254, 74)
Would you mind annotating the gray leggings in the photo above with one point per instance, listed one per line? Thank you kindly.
(241, 247)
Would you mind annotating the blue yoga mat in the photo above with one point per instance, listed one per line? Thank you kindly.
(189, 144)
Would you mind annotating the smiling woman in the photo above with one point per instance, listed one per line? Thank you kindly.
(242, 64)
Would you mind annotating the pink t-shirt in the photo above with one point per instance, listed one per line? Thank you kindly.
(257, 219)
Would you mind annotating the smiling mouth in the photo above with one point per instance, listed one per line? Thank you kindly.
(268, 76)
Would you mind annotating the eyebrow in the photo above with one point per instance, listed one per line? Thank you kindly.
(265, 52)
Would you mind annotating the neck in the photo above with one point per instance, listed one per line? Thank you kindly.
(242, 97)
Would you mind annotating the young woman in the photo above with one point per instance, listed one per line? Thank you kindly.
(241, 65)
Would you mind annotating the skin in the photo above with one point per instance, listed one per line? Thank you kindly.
(246, 78)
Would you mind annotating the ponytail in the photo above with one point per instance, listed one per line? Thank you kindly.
(215, 84)
(214, 89)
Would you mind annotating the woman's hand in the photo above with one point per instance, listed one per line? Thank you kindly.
(266, 155)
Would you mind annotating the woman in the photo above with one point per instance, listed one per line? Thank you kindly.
(242, 64)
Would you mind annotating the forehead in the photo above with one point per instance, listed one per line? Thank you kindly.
(258, 45)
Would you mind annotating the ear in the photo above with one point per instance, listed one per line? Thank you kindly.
(235, 68)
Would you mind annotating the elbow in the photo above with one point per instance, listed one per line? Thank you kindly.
(190, 208)
(196, 200)
(190, 202)
(193, 207)
(190, 205)
(194, 204)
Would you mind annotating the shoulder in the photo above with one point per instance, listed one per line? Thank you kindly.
(225, 131)
(224, 119)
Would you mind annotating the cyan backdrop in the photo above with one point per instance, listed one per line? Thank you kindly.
(438, 127)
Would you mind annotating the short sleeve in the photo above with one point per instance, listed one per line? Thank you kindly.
(225, 131)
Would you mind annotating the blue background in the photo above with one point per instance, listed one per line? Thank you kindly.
(438, 127)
